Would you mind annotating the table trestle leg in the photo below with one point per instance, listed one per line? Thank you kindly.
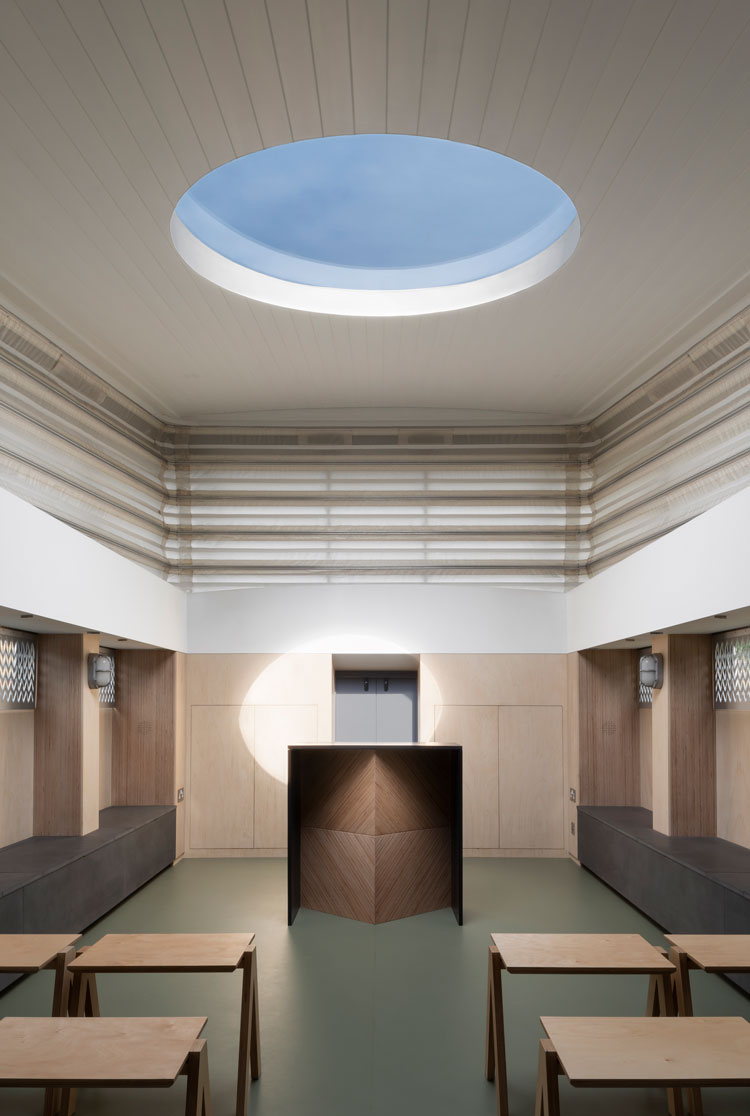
(249, 1055)
(60, 1005)
(495, 1068)
(198, 1097)
(547, 1091)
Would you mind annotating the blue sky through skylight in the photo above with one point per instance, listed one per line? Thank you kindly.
(380, 212)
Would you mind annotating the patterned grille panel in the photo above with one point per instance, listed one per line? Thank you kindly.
(645, 695)
(107, 693)
(732, 672)
(17, 671)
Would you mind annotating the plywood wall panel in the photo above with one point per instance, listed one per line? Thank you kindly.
(180, 749)
(66, 738)
(274, 683)
(572, 752)
(222, 764)
(144, 729)
(531, 777)
(475, 728)
(57, 733)
(90, 747)
(693, 736)
(106, 718)
(733, 775)
(16, 775)
(291, 701)
(660, 757)
(644, 736)
(684, 738)
(276, 727)
(300, 679)
(489, 680)
(609, 752)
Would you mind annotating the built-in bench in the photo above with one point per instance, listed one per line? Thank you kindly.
(64, 884)
(688, 885)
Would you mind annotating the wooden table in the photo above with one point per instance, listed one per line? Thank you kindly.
(714, 953)
(566, 953)
(178, 953)
(117, 1053)
(30, 953)
(669, 1053)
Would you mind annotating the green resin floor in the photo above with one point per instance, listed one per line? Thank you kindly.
(388, 1020)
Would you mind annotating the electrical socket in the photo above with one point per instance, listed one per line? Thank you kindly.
(572, 829)
(181, 794)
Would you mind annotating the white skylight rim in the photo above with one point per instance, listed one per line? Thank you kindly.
(351, 302)
(375, 225)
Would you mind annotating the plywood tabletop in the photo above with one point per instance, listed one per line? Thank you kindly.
(149, 1052)
(580, 953)
(164, 953)
(28, 953)
(647, 1051)
(716, 953)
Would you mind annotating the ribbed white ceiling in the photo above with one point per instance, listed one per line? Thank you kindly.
(110, 109)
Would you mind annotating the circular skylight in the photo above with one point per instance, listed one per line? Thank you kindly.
(375, 225)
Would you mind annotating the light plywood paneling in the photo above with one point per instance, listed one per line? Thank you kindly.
(660, 721)
(733, 775)
(57, 736)
(475, 728)
(106, 718)
(222, 767)
(249, 679)
(66, 738)
(684, 738)
(489, 680)
(266, 683)
(276, 727)
(644, 734)
(692, 736)
(90, 749)
(509, 854)
(610, 772)
(180, 749)
(144, 732)
(16, 775)
(531, 777)
(573, 774)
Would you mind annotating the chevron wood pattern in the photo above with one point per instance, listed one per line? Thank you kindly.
(338, 873)
(412, 873)
(412, 790)
(338, 790)
(375, 840)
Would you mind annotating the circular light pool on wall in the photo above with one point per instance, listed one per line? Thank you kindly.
(375, 225)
